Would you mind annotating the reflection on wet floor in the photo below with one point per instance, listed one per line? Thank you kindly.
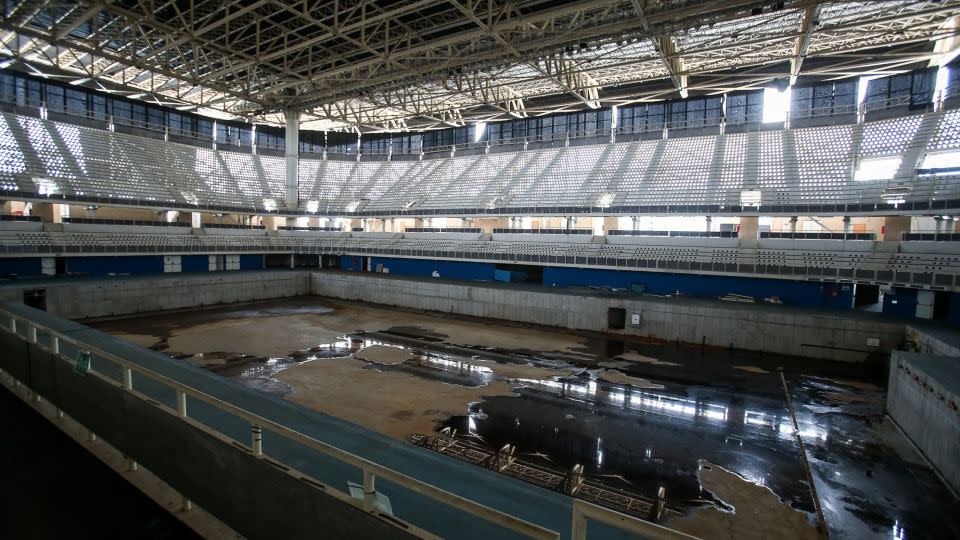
(636, 415)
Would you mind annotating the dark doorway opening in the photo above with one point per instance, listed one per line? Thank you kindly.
(616, 318)
(277, 261)
(306, 261)
(941, 305)
(518, 273)
(329, 261)
(868, 297)
(60, 266)
(866, 294)
(35, 298)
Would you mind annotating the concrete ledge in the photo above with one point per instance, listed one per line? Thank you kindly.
(198, 519)
(87, 298)
(775, 329)
(251, 495)
(923, 399)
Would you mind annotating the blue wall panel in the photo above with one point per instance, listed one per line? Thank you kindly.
(28, 266)
(133, 264)
(194, 263)
(900, 302)
(954, 315)
(447, 269)
(251, 262)
(791, 292)
(351, 263)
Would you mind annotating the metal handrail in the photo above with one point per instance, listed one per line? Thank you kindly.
(369, 469)
(584, 511)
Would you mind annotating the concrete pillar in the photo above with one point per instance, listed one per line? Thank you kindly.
(196, 220)
(793, 224)
(272, 222)
(749, 230)
(609, 224)
(292, 154)
(48, 212)
(487, 225)
(894, 226)
(847, 225)
(709, 223)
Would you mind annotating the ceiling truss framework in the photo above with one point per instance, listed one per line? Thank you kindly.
(419, 64)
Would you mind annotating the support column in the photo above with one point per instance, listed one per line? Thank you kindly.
(292, 144)
(749, 227)
(195, 220)
(48, 212)
(894, 226)
(272, 222)
(709, 223)
(609, 224)
(847, 226)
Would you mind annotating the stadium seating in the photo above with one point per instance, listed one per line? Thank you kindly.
(778, 169)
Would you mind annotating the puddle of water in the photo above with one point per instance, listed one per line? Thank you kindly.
(723, 406)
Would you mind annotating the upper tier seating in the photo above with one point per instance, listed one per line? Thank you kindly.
(809, 166)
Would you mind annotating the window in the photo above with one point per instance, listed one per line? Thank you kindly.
(479, 130)
(76, 101)
(98, 105)
(8, 87)
(312, 142)
(54, 97)
(697, 112)
(941, 162)
(641, 118)
(270, 137)
(914, 89)
(155, 118)
(233, 134)
(744, 108)
(776, 104)
(34, 92)
(878, 168)
(121, 110)
(375, 144)
(824, 99)
(138, 113)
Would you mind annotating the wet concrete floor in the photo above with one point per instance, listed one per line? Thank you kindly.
(711, 426)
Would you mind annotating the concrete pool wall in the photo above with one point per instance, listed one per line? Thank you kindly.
(769, 328)
(777, 329)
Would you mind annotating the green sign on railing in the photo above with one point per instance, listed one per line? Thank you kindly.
(83, 362)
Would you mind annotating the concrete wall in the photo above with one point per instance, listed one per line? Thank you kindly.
(776, 329)
(923, 400)
(935, 341)
(252, 496)
(794, 293)
(89, 298)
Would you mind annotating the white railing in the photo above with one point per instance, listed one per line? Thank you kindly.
(12, 323)
(584, 512)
